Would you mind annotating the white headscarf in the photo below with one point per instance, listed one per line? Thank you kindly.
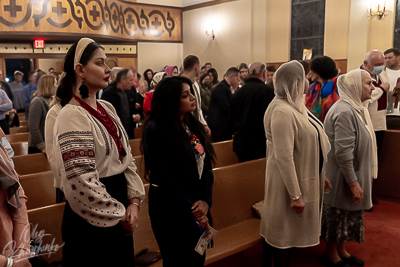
(289, 81)
(350, 90)
(157, 78)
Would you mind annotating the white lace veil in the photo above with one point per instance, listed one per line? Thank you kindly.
(289, 81)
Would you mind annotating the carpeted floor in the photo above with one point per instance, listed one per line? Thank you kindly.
(380, 249)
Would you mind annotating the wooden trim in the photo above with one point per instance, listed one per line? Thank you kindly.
(207, 4)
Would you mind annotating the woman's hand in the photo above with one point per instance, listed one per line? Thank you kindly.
(328, 184)
(298, 205)
(357, 191)
(22, 263)
(130, 221)
(199, 210)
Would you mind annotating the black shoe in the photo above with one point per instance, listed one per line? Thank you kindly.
(353, 261)
(375, 201)
(327, 262)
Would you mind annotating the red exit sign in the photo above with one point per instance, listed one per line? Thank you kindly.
(39, 43)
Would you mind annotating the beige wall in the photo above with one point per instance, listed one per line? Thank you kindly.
(231, 23)
(46, 63)
(337, 20)
(278, 26)
(156, 55)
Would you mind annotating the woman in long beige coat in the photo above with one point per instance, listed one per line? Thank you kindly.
(297, 149)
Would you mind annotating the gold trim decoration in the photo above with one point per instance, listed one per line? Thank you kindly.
(117, 18)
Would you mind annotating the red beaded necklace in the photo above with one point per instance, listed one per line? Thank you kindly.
(107, 121)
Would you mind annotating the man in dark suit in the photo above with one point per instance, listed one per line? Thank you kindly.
(122, 95)
(246, 115)
(218, 110)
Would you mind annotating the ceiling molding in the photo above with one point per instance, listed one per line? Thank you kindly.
(207, 4)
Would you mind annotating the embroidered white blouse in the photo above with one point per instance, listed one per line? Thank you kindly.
(84, 152)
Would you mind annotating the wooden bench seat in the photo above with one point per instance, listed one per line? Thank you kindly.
(388, 182)
(49, 220)
(39, 188)
(20, 148)
(21, 129)
(236, 189)
(225, 154)
(18, 137)
(135, 147)
(31, 163)
(23, 123)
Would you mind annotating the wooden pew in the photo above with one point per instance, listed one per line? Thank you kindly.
(140, 167)
(23, 123)
(236, 189)
(18, 137)
(46, 226)
(39, 188)
(21, 129)
(32, 163)
(388, 182)
(225, 154)
(135, 147)
(138, 132)
(20, 148)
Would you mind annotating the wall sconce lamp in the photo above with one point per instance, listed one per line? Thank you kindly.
(377, 9)
(210, 35)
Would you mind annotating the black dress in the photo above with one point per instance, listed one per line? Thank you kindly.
(175, 187)
(87, 245)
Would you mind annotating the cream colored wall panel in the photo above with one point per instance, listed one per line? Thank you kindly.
(337, 19)
(16, 48)
(278, 30)
(382, 31)
(156, 55)
(177, 3)
(231, 23)
(258, 30)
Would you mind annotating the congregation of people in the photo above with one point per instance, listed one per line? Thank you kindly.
(319, 131)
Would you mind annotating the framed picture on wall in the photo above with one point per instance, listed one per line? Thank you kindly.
(307, 54)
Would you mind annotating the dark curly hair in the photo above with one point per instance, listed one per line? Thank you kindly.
(324, 66)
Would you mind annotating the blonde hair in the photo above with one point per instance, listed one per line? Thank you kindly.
(45, 86)
(56, 100)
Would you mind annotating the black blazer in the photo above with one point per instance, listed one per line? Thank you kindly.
(218, 110)
(174, 169)
(110, 94)
(246, 117)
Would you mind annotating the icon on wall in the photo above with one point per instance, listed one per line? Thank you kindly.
(307, 54)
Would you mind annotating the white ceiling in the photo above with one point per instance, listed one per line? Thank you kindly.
(194, 2)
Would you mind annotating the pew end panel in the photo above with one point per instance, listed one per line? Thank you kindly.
(225, 154)
(21, 129)
(135, 147)
(20, 148)
(31, 163)
(39, 189)
(45, 225)
(388, 182)
(18, 137)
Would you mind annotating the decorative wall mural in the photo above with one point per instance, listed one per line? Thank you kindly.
(117, 18)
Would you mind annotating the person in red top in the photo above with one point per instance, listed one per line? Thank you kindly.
(158, 77)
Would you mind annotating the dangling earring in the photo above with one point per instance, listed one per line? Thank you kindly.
(83, 90)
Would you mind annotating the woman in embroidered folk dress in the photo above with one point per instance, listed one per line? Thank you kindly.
(178, 157)
(98, 174)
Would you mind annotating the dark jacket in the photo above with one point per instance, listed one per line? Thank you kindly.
(246, 119)
(111, 95)
(218, 111)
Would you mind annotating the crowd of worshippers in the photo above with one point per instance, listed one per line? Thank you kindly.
(319, 131)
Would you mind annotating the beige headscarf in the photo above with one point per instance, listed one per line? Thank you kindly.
(350, 90)
(157, 78)
(289, 81)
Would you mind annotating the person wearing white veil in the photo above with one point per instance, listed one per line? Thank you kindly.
(352, 165)
(297, 149)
